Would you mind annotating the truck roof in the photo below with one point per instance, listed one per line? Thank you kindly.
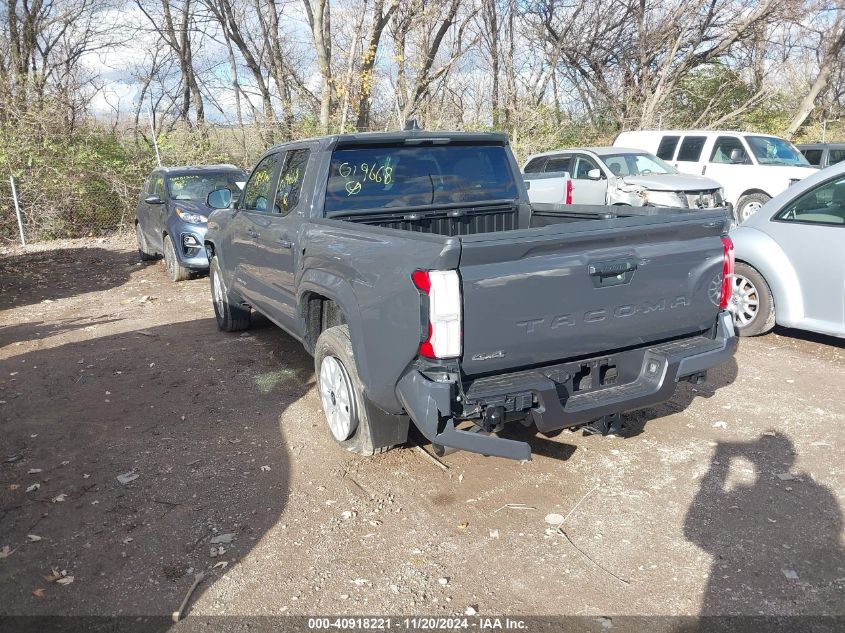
(696, 132)
(187, 169)
(375, 138)
(598, 151)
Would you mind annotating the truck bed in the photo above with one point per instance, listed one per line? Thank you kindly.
(460, 220)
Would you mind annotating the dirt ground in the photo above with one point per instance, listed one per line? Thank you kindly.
(727, 499)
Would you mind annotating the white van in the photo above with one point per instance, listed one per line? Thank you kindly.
(752, 168)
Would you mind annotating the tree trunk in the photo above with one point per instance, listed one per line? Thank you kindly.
(368, 60)
(829, 59)
(319, 19)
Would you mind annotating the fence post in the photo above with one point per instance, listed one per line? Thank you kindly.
(17, 209)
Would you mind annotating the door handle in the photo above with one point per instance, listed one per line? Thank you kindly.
(285, 243)
(252, 233)
(703, 169)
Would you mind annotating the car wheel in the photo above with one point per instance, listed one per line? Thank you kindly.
(230, 318)
(143, 249)
(748, 205)
(174, 269)
(751, 304)
(341, 392)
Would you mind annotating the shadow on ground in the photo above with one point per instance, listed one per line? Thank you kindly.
(774, 534)
(193, 413)
(30, 278)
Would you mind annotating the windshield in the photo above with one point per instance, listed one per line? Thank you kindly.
(637, 165)
(198, 186)
(771, 150)
(377, 177)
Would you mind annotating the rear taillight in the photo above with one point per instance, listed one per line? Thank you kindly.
(568, 191)
(442, 289)
(727, 272)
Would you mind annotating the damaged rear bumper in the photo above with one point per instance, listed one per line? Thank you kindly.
(548, 397)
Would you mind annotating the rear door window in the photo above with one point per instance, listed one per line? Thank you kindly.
(559, 163)
(666, 149)
(835, 156)
(290, 180)
(691, 148)
(535, 165)
(401, 176)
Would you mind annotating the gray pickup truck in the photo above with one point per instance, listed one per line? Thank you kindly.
(414, 269)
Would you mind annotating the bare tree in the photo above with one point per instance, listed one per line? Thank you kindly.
(380, 20)
(433, 21)
(629, 57)
(829, 30)
(319, 19)
(177, 34)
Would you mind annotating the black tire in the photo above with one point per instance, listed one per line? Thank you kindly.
(174, 269)
(748, 205)
(747, 281)
(144, 251)
(230, 317)
(335, 343)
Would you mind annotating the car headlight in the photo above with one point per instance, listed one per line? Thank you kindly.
(191, 217)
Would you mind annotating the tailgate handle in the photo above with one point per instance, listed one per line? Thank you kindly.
(612, 269)
(612, 273)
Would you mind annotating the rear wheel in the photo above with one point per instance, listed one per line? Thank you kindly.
(751, 304)
(174, 269)
(341, 392)
(144, 251)
(230, 317)
(749, 204)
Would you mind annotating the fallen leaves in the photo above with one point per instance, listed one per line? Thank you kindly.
(7, 551)
(33, 487)
(59, 577)
(39, 593)
(55, 574)
(33, 538)
(59, 498)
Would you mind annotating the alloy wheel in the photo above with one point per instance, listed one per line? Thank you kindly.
(745, 301)
(337, 398)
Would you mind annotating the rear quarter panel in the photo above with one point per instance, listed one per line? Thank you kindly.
(367, 272)
(762, 253)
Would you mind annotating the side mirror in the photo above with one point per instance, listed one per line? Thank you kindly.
(153, 199)
(219, 198)
(737, 155)
(594, 174)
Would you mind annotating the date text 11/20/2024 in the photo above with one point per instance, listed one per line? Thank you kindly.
(417, 624)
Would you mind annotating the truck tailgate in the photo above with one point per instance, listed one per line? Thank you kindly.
(586, 288)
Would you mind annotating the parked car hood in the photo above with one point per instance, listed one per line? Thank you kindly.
(672, 182)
